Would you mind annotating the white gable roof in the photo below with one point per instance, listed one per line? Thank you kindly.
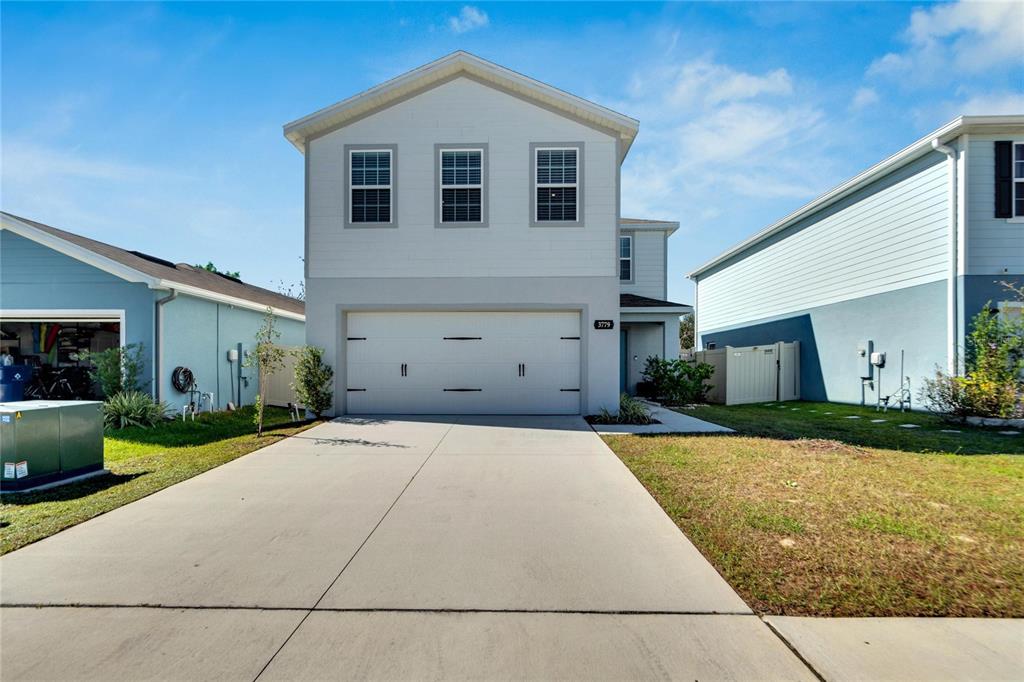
(442, 70)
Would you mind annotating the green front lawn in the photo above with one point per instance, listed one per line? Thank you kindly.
(810, 513)
(141, 462)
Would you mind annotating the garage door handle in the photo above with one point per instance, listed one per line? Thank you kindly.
(463, 390)
(522, 369)
(405, 370)
(463, 338)
(570, 338)
(569, 390)
(356, 338)
(355, 390)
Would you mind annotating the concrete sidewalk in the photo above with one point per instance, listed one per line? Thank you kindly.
(907, 648)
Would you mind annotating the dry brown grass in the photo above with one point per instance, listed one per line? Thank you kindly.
(822, 527)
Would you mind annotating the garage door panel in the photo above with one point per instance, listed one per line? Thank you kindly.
(520, 362)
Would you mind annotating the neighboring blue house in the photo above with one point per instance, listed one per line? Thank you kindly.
(899, 258)
(61, 293)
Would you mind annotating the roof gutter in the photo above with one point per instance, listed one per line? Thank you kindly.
(952, 333)
(158, 351)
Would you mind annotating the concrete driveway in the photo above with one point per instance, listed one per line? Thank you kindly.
(419, 547)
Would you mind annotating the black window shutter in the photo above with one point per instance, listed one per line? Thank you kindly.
(1004, 179)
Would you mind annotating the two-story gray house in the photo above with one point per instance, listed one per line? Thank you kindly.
(896, 260)
(465, 251)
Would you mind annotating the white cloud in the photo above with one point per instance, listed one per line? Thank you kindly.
(469, 19)
(864, 98)
(713, 135)
(964, 38)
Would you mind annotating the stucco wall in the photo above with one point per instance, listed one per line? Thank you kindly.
(35, 277)
(198, 333)
(911, 319)
(596, 297)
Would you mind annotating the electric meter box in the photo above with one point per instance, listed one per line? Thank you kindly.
(46, 441)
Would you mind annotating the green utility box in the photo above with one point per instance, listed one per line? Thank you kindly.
(46, 441)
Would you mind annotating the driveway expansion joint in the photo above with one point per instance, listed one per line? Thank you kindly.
(356, 553)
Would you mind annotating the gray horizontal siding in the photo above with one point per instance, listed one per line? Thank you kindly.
(648, 264)
(891, 235)
(994, 245)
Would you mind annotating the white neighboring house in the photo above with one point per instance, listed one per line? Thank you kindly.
(464, 249)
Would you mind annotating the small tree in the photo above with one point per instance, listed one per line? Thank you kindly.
(116, 370)
(686, 333)
(313, 380)
(268, 357)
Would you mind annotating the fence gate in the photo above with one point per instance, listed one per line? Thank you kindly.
(752, 374)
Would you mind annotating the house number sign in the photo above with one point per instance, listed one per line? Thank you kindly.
(604, 324)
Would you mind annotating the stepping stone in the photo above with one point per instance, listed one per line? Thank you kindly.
(828, 413)
(795, 409)
(852, 416)
(950, 431)
(910, 426)
(1010, 433)
(878, 421)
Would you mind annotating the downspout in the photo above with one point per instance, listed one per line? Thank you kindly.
(952, 345)
(157, 346)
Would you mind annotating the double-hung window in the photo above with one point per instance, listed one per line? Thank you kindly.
(558, 185)
(461, 178)
(625, 259)
(371, 186)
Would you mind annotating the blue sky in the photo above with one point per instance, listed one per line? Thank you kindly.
(158, 127)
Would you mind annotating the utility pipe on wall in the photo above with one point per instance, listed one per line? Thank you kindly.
(952, 340)
(158, 351)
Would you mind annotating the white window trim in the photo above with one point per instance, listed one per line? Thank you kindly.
(1014, 218)
(390, 187)
(441, 187)
(632, 272)
(535, 149)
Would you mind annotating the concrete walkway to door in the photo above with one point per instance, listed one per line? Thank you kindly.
(484, 547)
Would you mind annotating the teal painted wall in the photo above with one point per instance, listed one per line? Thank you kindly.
(911, 319)
(198, 334)
(33, 276)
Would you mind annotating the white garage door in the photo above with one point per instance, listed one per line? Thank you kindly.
(463, 363)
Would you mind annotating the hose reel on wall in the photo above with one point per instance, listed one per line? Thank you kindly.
(182, 379)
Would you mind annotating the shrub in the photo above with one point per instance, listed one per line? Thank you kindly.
(678, 381)
(992, 384)
(132, 408)
(631, 411)
(313, 380)
(116, 370)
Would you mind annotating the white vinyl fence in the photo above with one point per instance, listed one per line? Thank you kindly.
(279, 386)
(753, 374)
